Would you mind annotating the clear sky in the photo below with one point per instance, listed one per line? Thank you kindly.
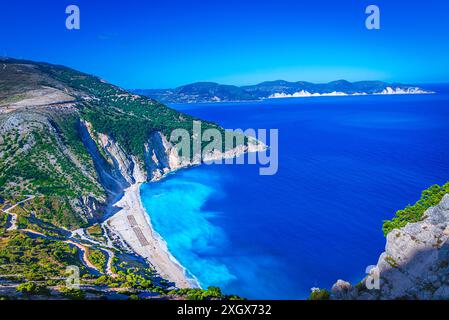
(166, 43)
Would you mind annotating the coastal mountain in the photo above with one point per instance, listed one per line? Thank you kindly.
(214, 92)
(198, 92)
(73, 151)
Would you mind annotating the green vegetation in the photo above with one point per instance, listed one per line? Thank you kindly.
(12, 99)
(95, 232)
(132, 119)
(129, 119)
(97, 258)
(44, 154)
(37, 263)
(320, 294)
(67, 126)
(73, 294)
(31, 288)
(44, 166)
(139, 279)
(3, 219)
(23, 257)
(200, 294)
(54, 166)
(414, 213)
(391, 262)
(27, 221)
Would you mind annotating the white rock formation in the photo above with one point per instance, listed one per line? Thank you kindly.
(410, 90)
(386, 91)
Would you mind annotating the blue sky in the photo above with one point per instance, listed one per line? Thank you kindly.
(160, 44)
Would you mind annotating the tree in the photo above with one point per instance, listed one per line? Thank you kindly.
(31, 288)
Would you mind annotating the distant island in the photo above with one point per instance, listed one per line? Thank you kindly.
(214, 92)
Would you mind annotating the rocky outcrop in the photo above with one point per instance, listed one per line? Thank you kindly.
(121, 162)
(415, 264)
(89, 207)
(111, 178)
(161, 157)
(117, 170)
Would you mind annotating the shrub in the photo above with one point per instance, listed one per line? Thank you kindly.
(31, 288)
(414, 213)
(320, 294)
(97, 257)
(73, 294)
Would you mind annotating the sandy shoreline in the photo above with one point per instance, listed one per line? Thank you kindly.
(133, 225)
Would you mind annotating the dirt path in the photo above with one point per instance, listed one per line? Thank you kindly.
(13, 225)
(79, 232)
(83, 248)
(84, 251)
(110, 255)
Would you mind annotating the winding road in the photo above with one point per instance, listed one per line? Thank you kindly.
(71, 240)
(13, 225)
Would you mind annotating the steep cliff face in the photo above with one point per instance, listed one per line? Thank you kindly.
(415, 264)
(111, 179)
(119, 170)
(115, 166)
(161, 157)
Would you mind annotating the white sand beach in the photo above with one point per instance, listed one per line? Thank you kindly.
(134, 226)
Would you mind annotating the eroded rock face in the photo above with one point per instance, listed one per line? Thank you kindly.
(343, 290)
(90, 207)
(415, 264)
(161, 157)
(120, 170)
(118, 158)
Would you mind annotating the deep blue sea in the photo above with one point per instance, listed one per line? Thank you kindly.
(345, 164)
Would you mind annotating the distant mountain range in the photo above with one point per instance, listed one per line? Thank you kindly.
(215, 92)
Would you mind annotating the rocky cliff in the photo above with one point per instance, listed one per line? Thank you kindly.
(415, 264)
(160, 157)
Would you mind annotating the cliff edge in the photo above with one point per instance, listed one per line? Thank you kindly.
(414, 266)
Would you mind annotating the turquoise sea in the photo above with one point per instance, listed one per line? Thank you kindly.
(345, 164)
